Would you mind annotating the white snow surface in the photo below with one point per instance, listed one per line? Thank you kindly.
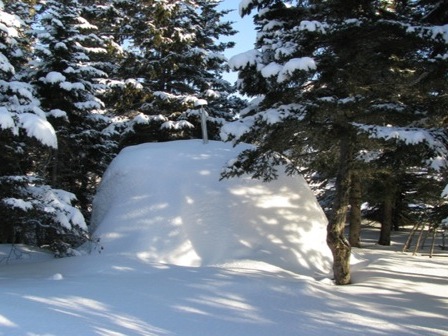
(6, 120)
(313, 26)
(294, 64)
(240, 61)
(411, 136)
(272, 69)
(34, 125)
(445, 191)
(5, 66)
(186, 216)
(283, 72)
(54, 77)
(156, 192)
(244, 4)
(39, 128)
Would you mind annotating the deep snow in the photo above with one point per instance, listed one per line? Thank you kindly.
(184, 215)
(175, 259)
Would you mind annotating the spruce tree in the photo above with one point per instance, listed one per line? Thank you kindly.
(173, 59)
(33, 212)
(66, 70)
(338, 78)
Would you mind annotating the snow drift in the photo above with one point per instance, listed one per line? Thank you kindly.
(158, 206)
(164, 203)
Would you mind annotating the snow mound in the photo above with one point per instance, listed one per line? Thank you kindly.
(165, 203)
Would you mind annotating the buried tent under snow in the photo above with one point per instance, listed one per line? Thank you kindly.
(179, 212)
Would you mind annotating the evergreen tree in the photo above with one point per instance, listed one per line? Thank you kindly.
(173, 59)
(338, 78)
(33, 212)
(66, 70)
(399, 184)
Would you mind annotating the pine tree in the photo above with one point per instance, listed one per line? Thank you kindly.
(173, 59)
(338, 78)
(33, 212)
(66, 70)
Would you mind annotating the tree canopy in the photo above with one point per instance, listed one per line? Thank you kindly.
(343, 83)
(79, 79)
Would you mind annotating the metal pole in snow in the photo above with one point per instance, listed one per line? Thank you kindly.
(201, 103)
(204, 115)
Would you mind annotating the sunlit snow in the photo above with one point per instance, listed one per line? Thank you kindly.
(312, 26)
(39, 128)
(205, 220)
(244, 4)
(9, 23)
(252, 271)
(18, 203)
(294, 64)
(5, 65)
(54, 77)
(242, 60)
(6, 120)
(272, 69)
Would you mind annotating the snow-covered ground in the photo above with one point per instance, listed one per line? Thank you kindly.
(181, 253)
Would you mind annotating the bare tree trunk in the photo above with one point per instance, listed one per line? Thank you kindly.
(386, 225)
(355, 211)
(336, 240)
(55, 168)
(397, 210)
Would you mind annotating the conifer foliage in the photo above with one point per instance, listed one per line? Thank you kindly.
(32, 211)
(78, 79)
(66, 72)
(340, 79)
(173, 60)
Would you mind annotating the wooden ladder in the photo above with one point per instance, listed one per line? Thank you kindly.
(419, 229)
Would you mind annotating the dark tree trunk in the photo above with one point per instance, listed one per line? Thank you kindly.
(355, 211)
(336, 240)
(386, 225)
(54, 168)
(397, 211)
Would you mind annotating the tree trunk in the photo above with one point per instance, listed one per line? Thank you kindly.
(355, 211)
(336, 240)
(386, 225)
(397, 210)
(55, 168)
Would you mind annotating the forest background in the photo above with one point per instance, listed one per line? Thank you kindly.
(353, 95)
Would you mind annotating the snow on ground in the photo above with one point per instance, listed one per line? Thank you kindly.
(158, 274)
(184, 214)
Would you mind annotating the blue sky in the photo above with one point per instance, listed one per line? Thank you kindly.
(244, 39)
